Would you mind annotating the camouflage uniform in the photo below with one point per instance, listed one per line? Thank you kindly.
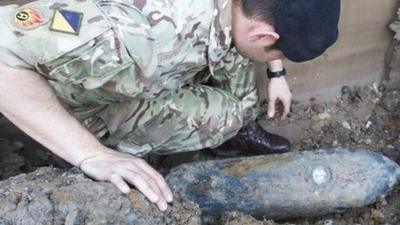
(136, 73)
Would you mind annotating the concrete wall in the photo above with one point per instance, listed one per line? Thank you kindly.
(356, 59)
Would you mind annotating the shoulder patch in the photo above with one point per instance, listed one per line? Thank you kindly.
(66, 21)
(28, 18)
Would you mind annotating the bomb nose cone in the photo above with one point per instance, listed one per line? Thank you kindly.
(321, 176)
(296, 184)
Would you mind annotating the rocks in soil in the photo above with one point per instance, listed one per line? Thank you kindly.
(372, 113)
(391, 101)
(238, 218)
(54, 196)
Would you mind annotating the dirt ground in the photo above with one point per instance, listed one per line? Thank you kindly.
(367, 117)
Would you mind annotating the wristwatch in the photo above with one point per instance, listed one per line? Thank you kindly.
(276, 74)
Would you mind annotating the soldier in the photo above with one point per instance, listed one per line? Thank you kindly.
(84, 77)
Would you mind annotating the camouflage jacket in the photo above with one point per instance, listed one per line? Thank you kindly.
(131, 50)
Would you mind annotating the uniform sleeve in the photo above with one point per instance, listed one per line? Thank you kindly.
(237, 75)
(11, 52)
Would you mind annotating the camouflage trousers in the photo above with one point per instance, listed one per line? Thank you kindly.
(188, 119)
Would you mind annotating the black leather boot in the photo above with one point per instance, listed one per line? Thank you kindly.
(253, 140)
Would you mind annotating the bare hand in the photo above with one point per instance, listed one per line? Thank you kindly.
(122, 169)
(47, 120)
(278, 89)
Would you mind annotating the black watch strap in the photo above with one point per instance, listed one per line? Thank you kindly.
(276, 74)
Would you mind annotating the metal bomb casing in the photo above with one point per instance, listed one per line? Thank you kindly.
(296, 184)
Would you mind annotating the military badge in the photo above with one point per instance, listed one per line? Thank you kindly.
(66, 21)
(28, 18)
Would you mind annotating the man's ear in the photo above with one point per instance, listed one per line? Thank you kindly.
(261, 33)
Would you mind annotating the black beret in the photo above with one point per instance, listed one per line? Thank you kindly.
(306, 27)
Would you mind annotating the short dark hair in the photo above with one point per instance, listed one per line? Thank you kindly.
(261, 9)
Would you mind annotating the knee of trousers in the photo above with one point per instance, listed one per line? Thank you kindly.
(213, 113)
(189, 119)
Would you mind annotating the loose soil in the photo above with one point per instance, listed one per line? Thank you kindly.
(367, 117)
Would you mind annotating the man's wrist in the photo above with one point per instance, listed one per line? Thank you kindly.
(275, 65)
(276, 74)
(89, 153)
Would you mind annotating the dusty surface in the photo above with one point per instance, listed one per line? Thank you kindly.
(53, 196)
(367, 117)
(237, 218)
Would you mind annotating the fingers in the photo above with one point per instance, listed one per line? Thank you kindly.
(122, 170)
(286, 104)
(147, 185)
(279, 89)
(120, 183)
(271, 107)
(162, 205)
(141, 184)
(279, 108)
(160, 181)
(162, 202)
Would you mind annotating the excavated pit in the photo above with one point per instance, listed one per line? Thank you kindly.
(366, 117)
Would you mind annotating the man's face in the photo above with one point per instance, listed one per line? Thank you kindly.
(253, 38)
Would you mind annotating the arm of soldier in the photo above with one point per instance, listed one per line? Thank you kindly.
(278, 89)
(29, 102)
